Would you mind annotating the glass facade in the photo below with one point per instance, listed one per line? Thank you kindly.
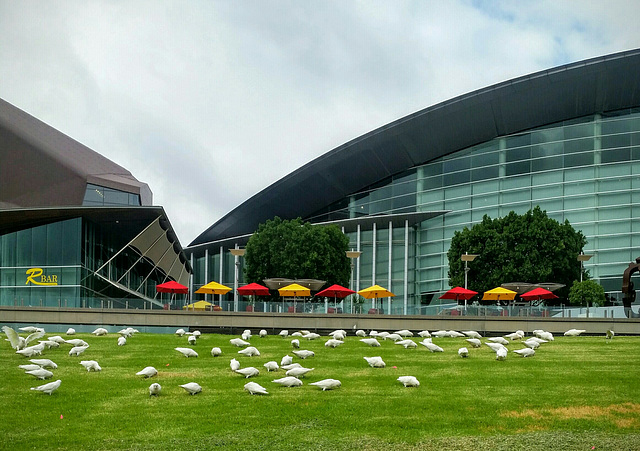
(585, 171)
(101, 196)
(71, 263)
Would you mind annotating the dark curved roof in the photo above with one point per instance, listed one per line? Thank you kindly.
(574, 90)
(42, 167)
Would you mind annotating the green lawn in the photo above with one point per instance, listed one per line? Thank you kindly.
(575, 393)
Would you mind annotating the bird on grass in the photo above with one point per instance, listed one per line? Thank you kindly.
(77, 350)
(271, 366)
(180, 332)
(463, 352)
(58, 339)
(48, 344)
(327, 384)
(311, 336)
(531, 343)
(544, 335)
(239, 342)
(431, 346)
(610, 334)
(234, 364)
(290, 366)
(574, 332)
(517, 335)
(525, 352)
(250, 351)
(216, 351)
(295, 343)
(298, 372)
(29, 367)
(187, 352)
(147, 372)
(393, 337)
(154, 389)
(424, 334)
(48, 388)
(474, 342)
(29, 329)
(40, 373)
(495, 346)
(333, 343)
(303, 353)
(193, 388)
(45, 363)
(77, 342)
(248, 371)
(246, 335)
(407, 343)
(375, 362)
(371, 342)
(284, 333)
(122, 341)
(286, 360)
(100, 331)
(289, 381)
(17, 342)
(409, 381)
(501, 354)
(71, 331)
(91, 365)
(500, 340)
(472, 334)
(192, 339)
(255, 389)
(404, 333)
(262, 333)
(361, 333)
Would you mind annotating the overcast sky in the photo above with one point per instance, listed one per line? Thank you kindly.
(209, 102)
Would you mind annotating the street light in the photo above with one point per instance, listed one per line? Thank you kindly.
(237, 253)
(583, 258)
(353, 255)
(466, 258)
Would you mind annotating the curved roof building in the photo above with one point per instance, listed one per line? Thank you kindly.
(566, 139)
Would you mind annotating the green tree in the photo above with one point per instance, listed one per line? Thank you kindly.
(295, 249)
(587, 292)
(529, 248)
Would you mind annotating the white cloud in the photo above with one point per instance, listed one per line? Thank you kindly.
(210, 102)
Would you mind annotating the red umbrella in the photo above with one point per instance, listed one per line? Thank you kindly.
(458, 293)
(254, 289)
(538, 294)
(335, 291)
(172, 287)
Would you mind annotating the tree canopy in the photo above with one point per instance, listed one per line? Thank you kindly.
(531, 248)
(587, 292)
(295, 249)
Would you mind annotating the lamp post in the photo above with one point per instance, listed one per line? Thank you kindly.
(353, 255)
(466, 258)
(237, 253)
(584, 258)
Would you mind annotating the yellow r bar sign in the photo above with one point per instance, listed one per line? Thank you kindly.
(34, 273)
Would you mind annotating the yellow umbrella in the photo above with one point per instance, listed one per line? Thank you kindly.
(499, 294)
(213, 288)
(375, 292)
(200, 305)
(294, 290)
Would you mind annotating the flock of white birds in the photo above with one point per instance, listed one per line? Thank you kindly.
(40, 368)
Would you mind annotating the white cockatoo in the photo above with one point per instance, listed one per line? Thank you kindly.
(71, 331)
(239, 342)
(234, 364)
(77, 350)
(100, 331)
(297, 334)
(90, 365)
(361, 333)
(431, 346)
(44, 363)
(456, 334)
(371, 342)
(289, 381)
(48, 388)
(472, 334)
(215, 351)
(196, 333)
(408, 343)
(517, 335)
(304, 353)
(404, 333)
(29, 367)
(122, 341)
(192, 388)
(463, 352)
(180, 332)
(495, 346)
(424, 334)
(525, 352)
(501, 354)
(187, 352)
(327, 384)
(248, 371)
(29, 329)
(298, 372)
(40, 373)
(147, 372)
(500, 340)
(375, 362)
(574, 332)
(531, 343)
(262, 333)
(394, 337)
(249, 351)
(290, 366)
(58, 339)
(17, 342)
(271, 365)
(338, 335)
(373, 333)
(246, 335)
(440, 333)
(192, 339)
(77, 342)
(284, 333)
(48, 344)
(333, 343)
(154, 389)
(409, 381)
(474, 342)
(286, 360)
(544, 335)
(255, 389)
(295, 343)
(311, 336)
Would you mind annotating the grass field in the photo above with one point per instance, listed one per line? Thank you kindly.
(575, 393)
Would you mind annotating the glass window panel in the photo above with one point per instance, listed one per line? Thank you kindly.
(521, 167)
(614, 170)
(71, 231)
(578, 145)
(516, 182)
(578, 159)
(551, 205)
(614, 256)
(478, 213)
(546, 192)
(457, 191)
(485, 187)
(432, 169)
(432, 182)
(615, 155)
(94, 195)
(23, 246)
(547, 135)
(578, 131)
(618, 212)
(614, 199)
(485, 200)
(547, 164)
(54, 244)
(614, 184)
(8, 249)
(581, 216)
(115, 197)
(518, 147)
(615, 126)
(456, 164)
(456, 178)
(485, 159)
(489, 172)
(547, 177)
(587, 187)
